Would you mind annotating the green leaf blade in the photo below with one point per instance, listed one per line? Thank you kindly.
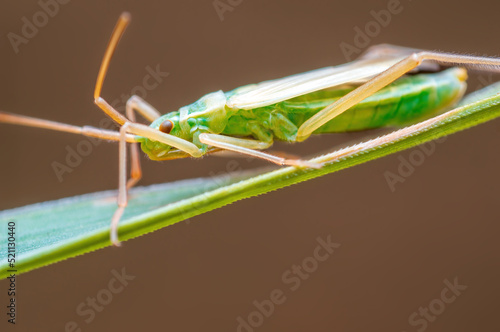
(53, 231)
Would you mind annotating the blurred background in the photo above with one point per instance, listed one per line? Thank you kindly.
(400, 247)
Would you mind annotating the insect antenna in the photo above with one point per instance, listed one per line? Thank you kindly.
(116, 35)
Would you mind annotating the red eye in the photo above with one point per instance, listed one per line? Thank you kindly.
(166, 126)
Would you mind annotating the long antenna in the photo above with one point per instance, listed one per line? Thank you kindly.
(118, 31)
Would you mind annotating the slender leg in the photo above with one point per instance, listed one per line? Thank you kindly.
(150, 133)
(156, 135)
(123, 137)
(387, 77)
(248, 146)
(135, 166)
(122, 185)
(136, 103)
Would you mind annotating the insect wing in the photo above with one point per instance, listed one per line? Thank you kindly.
(275, 91)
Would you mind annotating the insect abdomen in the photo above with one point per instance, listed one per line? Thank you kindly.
(407, 100)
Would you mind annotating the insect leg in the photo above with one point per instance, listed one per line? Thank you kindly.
(156, 135)
(139, 105)
(387, 77)
(249, 146)
(136, 103)
(123, 185)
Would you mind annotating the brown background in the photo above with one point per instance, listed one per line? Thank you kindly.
(396, 248)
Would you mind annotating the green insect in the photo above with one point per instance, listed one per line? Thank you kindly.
(387, 86)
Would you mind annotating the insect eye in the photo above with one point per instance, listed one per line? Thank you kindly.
(166, 126)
